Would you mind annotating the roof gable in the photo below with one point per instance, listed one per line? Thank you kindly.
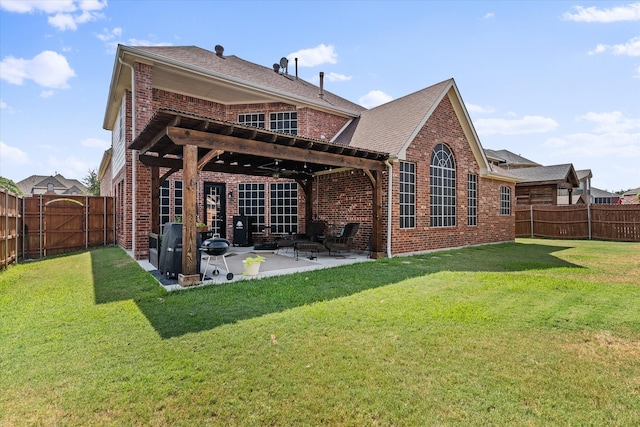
(558, 174)
(392, 127)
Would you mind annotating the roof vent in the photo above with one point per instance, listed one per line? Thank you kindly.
(219, 50)
(321, 94)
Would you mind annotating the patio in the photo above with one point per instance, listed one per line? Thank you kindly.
(277, 262)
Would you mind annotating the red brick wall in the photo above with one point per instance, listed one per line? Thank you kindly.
(337, 198)
(346, 196)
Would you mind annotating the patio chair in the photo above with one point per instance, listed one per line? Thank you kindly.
(343, 242)
(314, 231)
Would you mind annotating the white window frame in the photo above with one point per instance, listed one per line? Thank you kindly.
(407, 195)
(251, 203)
(472, 199)
(284, 207)
(442, 184)
(284, 122)
(252, 119)
(505, 200)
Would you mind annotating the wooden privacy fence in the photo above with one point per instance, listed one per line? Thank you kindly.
(600, 222)
(50, 224)
(10, 223)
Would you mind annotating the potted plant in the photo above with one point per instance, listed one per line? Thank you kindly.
(252, 265)
(201, 226)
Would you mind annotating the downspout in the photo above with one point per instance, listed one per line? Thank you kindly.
(389, 202)
(134, 155)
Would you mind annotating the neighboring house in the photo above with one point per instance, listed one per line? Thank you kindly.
(58, 184)
(217, 136)
(508, 160)
(631, 197)
(540, 185)
(104, 174)
(601, 197)
(543, 185)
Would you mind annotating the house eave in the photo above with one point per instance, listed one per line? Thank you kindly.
(261, 93)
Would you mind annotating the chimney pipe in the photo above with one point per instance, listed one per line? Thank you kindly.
(296, 68)
(321, 95)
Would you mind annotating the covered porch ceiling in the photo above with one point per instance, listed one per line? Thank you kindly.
(238, 149)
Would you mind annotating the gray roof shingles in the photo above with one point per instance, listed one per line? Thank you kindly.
(250, 73)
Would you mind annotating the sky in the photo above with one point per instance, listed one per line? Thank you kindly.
(554, 81)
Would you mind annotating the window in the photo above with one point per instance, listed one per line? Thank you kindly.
(118, 138)
(251, 203)
(284, 207)
(505, 201)
(472, 199)
(286, 122)
(407, 195)
(177, 198)
(252, 119)
(442, 174)
(164, 204)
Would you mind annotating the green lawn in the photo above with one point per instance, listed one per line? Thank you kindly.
(537, 332)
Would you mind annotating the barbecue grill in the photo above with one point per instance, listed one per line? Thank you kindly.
(214, 248)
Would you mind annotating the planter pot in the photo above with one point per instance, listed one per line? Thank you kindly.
(251, 270)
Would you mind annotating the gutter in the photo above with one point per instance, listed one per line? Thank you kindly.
(388, 162)
(134, 156)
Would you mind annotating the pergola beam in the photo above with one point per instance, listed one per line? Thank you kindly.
(213, 141)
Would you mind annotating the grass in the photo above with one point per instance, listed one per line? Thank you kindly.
(537, 332)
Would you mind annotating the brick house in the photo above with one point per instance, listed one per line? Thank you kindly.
(217, 136)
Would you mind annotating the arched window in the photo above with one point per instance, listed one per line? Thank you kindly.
(442, 173)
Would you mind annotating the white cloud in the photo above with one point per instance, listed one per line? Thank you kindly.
(606, 145)
(142, 42)
(70, 167)
(13, 155)
(48, 69)
(335, 77)
(108, 35)
(525, 125)
(611, 122)
(480, 109)
(64, 14)
(612, 136)
(95, 143)
(374, 98)
(630, 48)
(46, 93)
(31, 6)
(321, 54)
(489, 15)
(629, 12)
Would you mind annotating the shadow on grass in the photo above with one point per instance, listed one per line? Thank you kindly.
(206, 308)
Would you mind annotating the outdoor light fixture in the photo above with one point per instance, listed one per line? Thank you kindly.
(230, 195)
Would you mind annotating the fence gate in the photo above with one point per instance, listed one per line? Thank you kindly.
(64, 226)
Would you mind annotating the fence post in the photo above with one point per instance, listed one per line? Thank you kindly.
(104, 221)
(531, 218)
(41, 235)
(589, 218)
(86, 222)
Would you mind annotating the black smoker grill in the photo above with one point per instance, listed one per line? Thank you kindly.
(170, 259)
(216, 247)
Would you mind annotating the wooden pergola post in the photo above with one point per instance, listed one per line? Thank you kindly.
(190, 275)
(376, 228)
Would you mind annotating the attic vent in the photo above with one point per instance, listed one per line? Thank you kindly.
(219, 50)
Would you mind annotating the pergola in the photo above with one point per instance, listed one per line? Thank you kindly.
(193, 143)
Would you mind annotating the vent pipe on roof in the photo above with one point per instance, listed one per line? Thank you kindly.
(321, 95)
(219, 50)
(296, 68)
